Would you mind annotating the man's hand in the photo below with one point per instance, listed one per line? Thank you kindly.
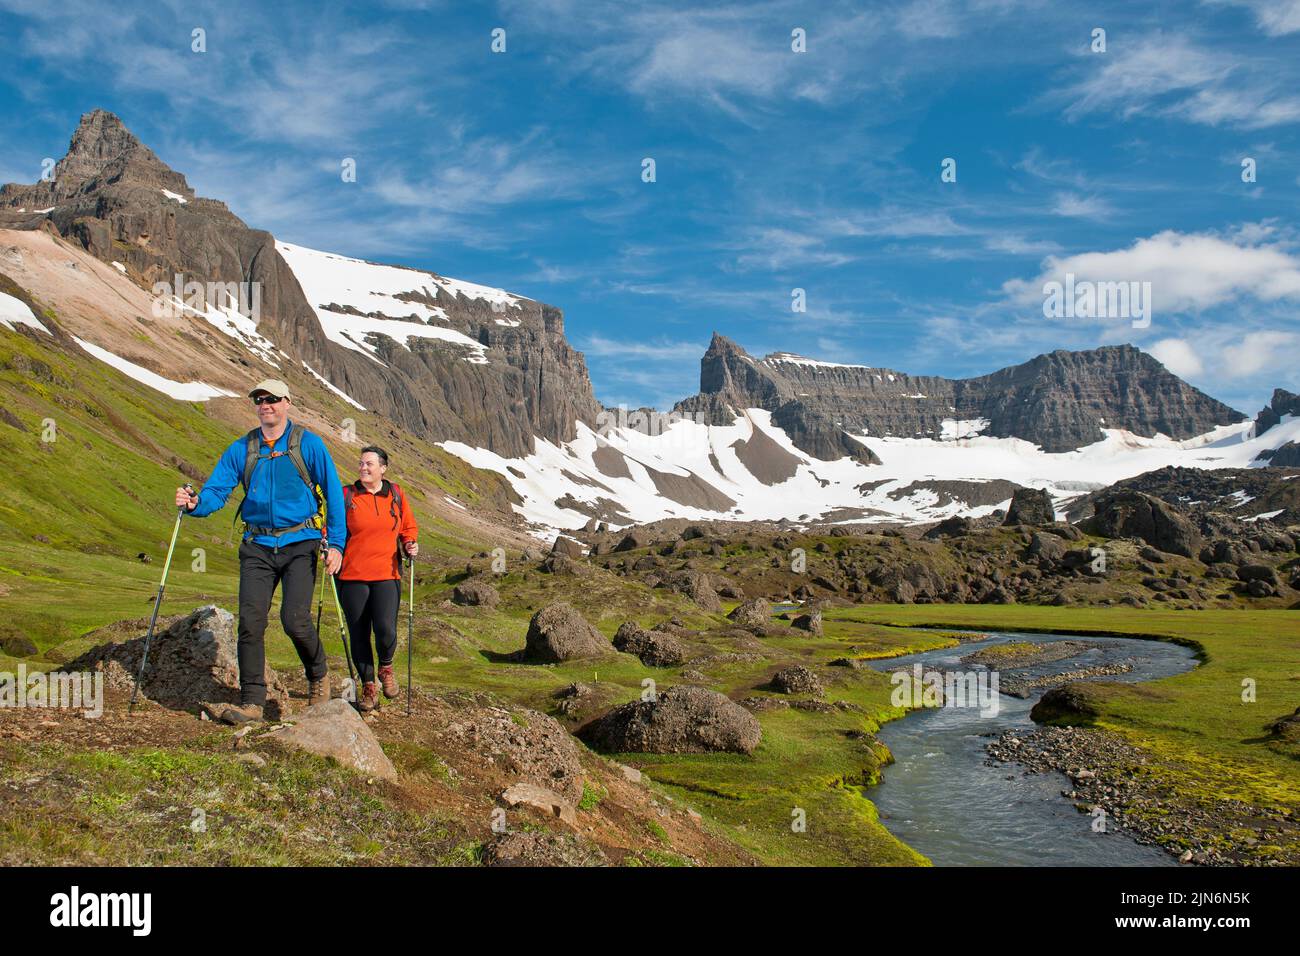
(186, 499)
(333, 561)
(412, 549)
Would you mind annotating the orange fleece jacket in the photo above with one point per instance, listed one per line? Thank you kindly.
(373, 533)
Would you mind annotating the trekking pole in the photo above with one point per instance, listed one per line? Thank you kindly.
(153, 619)
(320, 597)
(410, 634)
(343, 633)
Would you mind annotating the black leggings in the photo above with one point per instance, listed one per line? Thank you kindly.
(371, 605)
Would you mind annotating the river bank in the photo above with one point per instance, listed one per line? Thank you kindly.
(1107, 772)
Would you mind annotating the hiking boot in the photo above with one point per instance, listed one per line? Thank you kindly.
(318, 691)
(369, 698)
(239, 714)
(388, 681)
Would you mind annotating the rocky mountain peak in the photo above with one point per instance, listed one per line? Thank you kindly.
(103, 153)
(1283, 403)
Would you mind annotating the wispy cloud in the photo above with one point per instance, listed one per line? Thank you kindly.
(1171, 75)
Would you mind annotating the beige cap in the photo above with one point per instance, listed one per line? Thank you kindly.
(272, 386)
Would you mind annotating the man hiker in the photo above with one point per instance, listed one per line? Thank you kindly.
(287, 473)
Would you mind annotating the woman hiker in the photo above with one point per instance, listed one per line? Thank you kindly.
(381, 528)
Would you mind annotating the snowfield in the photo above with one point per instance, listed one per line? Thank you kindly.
(15, 311)
(181, 391)
(842, 491)
(367, 295)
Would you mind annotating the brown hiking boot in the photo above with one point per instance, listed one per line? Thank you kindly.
(318, 691)
(388, 681)
(369, 698)
(238, 714)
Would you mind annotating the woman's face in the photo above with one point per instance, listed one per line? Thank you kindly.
(371, 470)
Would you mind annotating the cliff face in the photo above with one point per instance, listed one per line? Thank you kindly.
(113, 196)
(1059, 401)
(1283, 403)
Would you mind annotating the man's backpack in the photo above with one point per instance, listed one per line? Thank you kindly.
(253, 444)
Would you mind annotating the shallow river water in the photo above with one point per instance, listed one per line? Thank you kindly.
(941, 799)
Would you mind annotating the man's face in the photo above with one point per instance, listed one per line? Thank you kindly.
(271, 414)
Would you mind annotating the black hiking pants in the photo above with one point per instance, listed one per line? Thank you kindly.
(371, 605)
(293, 567)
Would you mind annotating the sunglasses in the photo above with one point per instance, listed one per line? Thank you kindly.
(267, 400)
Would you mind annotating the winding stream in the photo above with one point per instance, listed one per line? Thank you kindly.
(941, 799)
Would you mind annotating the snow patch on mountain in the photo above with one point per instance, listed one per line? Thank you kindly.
(690, 470)
(333, 388)
(229, 320)
(14, 310)
(181, 391)
(793, 359)
(356, 300)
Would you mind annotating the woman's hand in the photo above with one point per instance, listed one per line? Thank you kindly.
(412, 549)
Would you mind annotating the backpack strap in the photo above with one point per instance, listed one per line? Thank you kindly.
(253, 450)
(295, 455)
(395, 503)
(253, 455)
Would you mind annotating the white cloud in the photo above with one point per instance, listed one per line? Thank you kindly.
(1178, 356)
(1261, 351)
(1172, 76)
(1275, 17)
(1080, 207)
(1187, 271)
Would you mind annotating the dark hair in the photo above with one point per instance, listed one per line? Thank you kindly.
(383, 455)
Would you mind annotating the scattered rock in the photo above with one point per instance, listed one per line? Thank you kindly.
(679, 720)
(797, 680)
(1123, 513)
(559, 633)
(544, 799)
(753, 613)
(533, 849)
(334, 729)
(475, 593)
(811, 622)
(1030, 506)
(192, 665)
(654, 648)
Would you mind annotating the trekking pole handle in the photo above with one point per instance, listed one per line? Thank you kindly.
(190, 488)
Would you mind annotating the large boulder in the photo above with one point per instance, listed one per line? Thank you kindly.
(752, 613)
(696, 586)
(568, 547)
(680, 720)
(475, 593)
(1031, 506)
(334, 729)
(192, 665)
(797, 679)
(654, 648)
(1124, 513)
(810, 622)
(559, 633)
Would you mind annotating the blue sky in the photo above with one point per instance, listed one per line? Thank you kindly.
(775, 170)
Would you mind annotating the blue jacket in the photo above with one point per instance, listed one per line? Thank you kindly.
(277, 495)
